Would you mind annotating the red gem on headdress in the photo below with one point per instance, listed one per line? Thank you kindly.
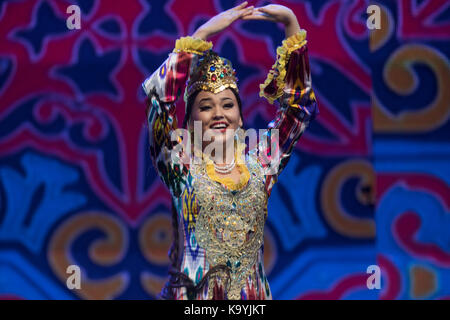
(213, 78)
(224, 70)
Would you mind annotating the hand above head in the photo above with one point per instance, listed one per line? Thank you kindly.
(276, 13)
(221, 21)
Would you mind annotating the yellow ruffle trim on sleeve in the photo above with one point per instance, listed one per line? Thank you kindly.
(284, 51)
(192, 45)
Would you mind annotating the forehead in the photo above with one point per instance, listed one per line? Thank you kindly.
(209, 96)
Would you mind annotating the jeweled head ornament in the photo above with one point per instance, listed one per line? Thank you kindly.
(211, 73)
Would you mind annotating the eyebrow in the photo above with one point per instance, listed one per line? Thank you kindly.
(207, 99)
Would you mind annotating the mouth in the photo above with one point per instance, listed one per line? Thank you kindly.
(219, 126)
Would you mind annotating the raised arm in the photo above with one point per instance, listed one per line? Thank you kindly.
(164, 87)
(289, 83)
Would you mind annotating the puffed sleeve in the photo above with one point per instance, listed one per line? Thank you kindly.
(289, 83)
(163, 89)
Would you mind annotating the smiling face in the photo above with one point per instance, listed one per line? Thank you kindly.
(218, 112)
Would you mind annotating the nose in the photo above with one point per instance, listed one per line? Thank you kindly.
(218, 113)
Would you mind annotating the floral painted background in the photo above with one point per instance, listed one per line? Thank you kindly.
(368, 183)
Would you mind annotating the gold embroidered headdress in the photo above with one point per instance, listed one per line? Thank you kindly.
(211, 73)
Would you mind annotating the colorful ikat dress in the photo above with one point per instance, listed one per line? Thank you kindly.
(218, 241)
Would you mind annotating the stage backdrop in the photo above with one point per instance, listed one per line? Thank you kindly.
(368, 183)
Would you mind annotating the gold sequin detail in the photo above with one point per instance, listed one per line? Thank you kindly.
(230, 225)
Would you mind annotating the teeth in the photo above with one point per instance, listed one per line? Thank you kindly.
(219, 126)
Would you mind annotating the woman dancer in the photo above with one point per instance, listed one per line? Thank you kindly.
(220, 202)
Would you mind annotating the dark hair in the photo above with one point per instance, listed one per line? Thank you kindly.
(190, 104)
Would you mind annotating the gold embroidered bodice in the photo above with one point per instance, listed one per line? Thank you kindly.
(230, 224)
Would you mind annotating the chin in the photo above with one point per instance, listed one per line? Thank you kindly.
(226, 137)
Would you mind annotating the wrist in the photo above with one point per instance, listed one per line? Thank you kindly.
(200, 34)
(292, 26)
(290, 18)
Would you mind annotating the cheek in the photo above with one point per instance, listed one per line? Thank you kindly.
(235, 116)
(198, 116)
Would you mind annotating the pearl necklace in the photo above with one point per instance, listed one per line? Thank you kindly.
(226, 168)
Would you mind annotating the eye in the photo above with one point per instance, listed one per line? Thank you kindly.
(228, 106)
(204, 108)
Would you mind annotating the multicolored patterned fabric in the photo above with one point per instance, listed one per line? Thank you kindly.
(289, 82)
(368, 184)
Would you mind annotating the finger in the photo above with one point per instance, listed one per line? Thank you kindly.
(248, 10)
(245, 9)
(262, 9)
(251, 17)
(258, 17)
(263, 12)
(236, 14)
(242, 13)
(243, 4)
(261, 18)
